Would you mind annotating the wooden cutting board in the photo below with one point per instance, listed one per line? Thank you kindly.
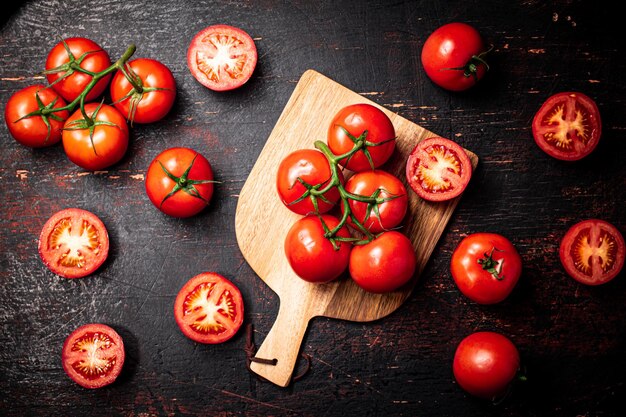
(262, 222)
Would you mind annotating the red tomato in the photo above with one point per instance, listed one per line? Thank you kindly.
(179, 182)
(485, 364)
(486, 267)
(93, 355)
(209, 308)
(592, 252)
(378, 184)
(157, 94)
(222, 57)
(567, 126)
(32, 131)
(383, 265)
(61, 67)
(312, 167)
(97, 146)
(453, 56)
(312, 256)
(73, 243)
(438, 169)
(366, 125)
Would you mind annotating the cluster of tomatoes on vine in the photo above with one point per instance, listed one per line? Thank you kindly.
(73, 242)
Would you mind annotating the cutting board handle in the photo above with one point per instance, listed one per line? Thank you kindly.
(283, 343)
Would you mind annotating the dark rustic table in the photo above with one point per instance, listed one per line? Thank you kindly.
(572, 338)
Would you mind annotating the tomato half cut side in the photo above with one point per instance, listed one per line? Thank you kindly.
(592, 252)
(93, 355)
(567, 126)
(438, 169)
(73, 243)
(222, 57)
(209, 308)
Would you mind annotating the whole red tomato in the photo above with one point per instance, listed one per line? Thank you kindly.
(382, 185)
(311, 255)
(33, 131)
(367, 126)
(155, 97)
(384, 264)
(179, 182)
(486, 267)
(63, 61)
(96, 144)
(303, 169)
(485, 364)
(453, 56)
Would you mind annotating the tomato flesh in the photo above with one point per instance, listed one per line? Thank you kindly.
(209, 308)
(567, 126)
(222, 57)
(93, 355)
(592, 252)
(73, 243)
(438, 169)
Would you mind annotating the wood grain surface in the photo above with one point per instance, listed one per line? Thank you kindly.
(262, 222)
(572, 338)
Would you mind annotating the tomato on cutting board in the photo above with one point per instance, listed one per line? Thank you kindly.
(362, 124)
(438, 169)
(222, 57)
(567, 126)
(592, 252)
(486, 267)
(209, 308)
(73, 243)
(312, 256)
(93, 355)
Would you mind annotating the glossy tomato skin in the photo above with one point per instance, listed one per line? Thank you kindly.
(72, 86)
(567, 126)
(356, 119)
(448, 51)
(93, 344)
(209, 308)
(109, 143)
(485, 364)
(385, 264)
(592, 252)
(312, 167)
(150, 105)
(196, 191)
(438, 169)
(486, 267)
(222, 57)
(368, 184)
(32, 131)
(312, 256)
(73, 243)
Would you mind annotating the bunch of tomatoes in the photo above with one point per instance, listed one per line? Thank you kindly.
(73, 242)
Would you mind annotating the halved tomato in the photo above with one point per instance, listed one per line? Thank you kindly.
(567, 126)
(209, 308)
(73, 243)
(438, 169)
(592, 252)
(222, 57)
(93, 355)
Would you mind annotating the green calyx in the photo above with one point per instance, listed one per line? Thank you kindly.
(470, 69)
(45, 112)
(491, 265)
(89, 122)
(184, 184)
